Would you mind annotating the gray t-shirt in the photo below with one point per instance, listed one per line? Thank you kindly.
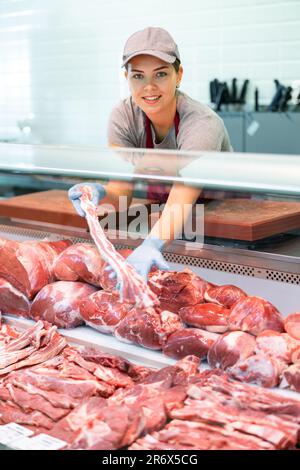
(200, 127)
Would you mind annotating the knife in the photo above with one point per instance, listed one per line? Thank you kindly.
(233, 91)
(243, 92)
(273, 106)
(286, 96)
(256, 103)
(220, 96)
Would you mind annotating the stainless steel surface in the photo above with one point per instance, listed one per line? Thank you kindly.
(257, 264)
(278, 174)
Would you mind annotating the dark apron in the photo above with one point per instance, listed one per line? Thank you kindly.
(158, 192)
(161, 192)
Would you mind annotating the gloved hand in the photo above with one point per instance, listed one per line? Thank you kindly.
(143, 257)
(75, 193)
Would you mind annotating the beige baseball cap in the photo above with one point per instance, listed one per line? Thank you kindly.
(151, 41)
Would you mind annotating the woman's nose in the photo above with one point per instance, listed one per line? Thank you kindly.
(149, 83)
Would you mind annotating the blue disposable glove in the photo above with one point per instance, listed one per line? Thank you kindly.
(75, 193)
(144, 256)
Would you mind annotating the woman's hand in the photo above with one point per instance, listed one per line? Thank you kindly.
(75, 192)
(147, 255)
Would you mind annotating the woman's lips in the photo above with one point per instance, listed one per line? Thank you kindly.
(151, 100)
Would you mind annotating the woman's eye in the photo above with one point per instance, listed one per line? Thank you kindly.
(137, 76)
(161, 74)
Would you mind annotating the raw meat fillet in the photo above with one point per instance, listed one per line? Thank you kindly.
(80, 262)
(292, 325)
(12, 300)
(245, 396)
(28, 265)
(225, 295)
(32, 336)
(106, 374)
(136, 372)
(157, 398)
(209, 410)
(105, 359)
(178, 374)
(291, 376)
(59, 303)
(209, 316)
(133, 289)
(147, 327)
(278, 345)
(257, 369)
(46, 342)
(95, 426)
(12, 413)
(177, 289)
(7, 334)
(28, 403)
(189, 341)
(254, 315)
(230, 348)
(104, 310)
(190, 435)
(49, 251)
(115, 428)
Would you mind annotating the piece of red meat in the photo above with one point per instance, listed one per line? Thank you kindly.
(49, 251)
(147, 327)
(105, 359)
(12, 413)
(291, 375)
(106, 374)
(184, 434)
(104, 310)
(59, 302)
(257, 369)
(292, 325)
(177, 374)
(131, 285)
(230, 348)
(189, 341)
(79, 262)
(28, 265)
(254, 315)
(177, 289)
(279, 345)
(95, 426)
(46, 345)
(12, 300)
(7, 334)
(209, 316)
(226, 295)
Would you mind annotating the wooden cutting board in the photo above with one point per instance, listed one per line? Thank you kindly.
(247, 219)
(250, 220)
(239, 219)
(53, 207)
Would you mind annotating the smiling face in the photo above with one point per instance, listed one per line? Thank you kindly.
(152, 83)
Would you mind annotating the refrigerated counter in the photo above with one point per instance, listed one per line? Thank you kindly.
(251, 204)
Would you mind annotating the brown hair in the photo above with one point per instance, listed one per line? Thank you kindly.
(175, 64)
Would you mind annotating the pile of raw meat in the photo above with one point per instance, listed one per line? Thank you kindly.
(93, 400)
(67, 285)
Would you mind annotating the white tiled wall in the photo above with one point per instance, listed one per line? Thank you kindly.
(60, 59)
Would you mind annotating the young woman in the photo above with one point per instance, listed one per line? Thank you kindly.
(157, 115)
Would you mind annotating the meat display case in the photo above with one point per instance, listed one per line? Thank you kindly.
(266, 266)
(251, 227)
